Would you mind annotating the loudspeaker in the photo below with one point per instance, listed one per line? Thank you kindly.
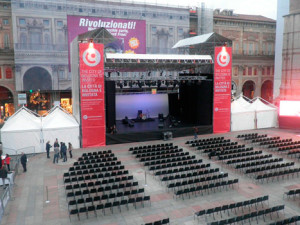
(160, 125)
(161, 117)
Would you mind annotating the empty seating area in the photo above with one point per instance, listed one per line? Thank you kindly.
(290, 220)
(248, 210)
(98, 183)
(293, 192)
(180, 172)
(159, 222)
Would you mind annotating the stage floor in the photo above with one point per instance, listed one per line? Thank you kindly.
(148, 131)
(145, 126)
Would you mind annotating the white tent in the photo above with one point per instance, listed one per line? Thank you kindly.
(266, 115)
(242, 118)
(22, 133)
(62, 125)
(241, 100)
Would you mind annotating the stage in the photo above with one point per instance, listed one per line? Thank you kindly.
(149, 131)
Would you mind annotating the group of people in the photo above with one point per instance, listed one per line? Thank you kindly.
(60, 150)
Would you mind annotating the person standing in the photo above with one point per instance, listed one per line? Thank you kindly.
(48, 146)
(61, 150)
(64, 151)
(3, 175)
(70, 149)
(195, 132)
(24, 161)
(7, 161)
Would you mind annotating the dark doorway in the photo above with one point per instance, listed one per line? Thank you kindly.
(37, 78)
(248, 89)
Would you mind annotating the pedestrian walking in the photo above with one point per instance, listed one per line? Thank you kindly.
(3, 175)
(61, 150)
(56, 155)
(7, 161)
(48, 146)
(64, 152)
(24, 161)
(195, 132)
(70, 149)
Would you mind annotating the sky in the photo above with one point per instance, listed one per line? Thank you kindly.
(267, 8)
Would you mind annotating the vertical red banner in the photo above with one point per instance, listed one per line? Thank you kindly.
(91, 69)
(222, 90)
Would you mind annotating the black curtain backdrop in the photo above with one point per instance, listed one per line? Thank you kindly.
(110, 103)
(196, 102)
(174, 110)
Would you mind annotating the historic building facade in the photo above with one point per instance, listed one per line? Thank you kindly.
(290, 81)
(7, 78)
(253, 40)
(41, 35)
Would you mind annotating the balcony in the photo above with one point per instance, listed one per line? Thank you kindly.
(41, 47)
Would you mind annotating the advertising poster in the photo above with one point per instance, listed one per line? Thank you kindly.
(222, 90)
(91, 68)
(130, 34)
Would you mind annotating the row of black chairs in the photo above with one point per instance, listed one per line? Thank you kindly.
(92, 191)
(178, 158)
(151, 150)
(284, 144)
(104, 152)
(175, 164)
(198, 180)
(223, 145)
(286, 221)
(94, 175)
(204, 188)
(94, 165)
(96, 157)
(259, 140)
(278, 174)
(255, 137)
(163, 152)
(102, 169)
(288, 148)
(248, 159)
(204, 140)
(237, 205)
(151, 146)
(293, 192)
(87, 162)
(249, 216)
(95, 208)
(294, 153)
(257, 163)
(270, 167)
(247, 135)
(159, 222)
(226, 149)
(181, 169)
(276, 142)
(183, 175)
(164, 156)
(239, 155)
(208, 143)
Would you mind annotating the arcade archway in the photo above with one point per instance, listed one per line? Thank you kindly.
(6, 103)
(248, 89)
(37, 78)
(267, 91)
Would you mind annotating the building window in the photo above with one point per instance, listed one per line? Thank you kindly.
(59, 7)
(61, 74)
(263, 71)
(256, 49)
(45, 7)
(154, 29)
(93, 10)
(143, 14)
(170, 17)
(180, 31)
(5, 22)
(251, 49)
(255, 71)
(46, 22)
(125, 13)
(21, 5)
(250, 71)
(8, 73)
(154, 15)
(269, 48)
(80, 10)
(235, 71)
(268, 71)
(244, 71)
(245, 48)
(6, 40)
(113, 12)
(236, 48)
(22, 21)
(180, 17)
(170, 29)
(60, 23)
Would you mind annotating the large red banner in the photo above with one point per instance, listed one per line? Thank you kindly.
(222, 89)
(91, 68)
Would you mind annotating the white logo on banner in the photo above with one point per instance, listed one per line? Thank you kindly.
(223, 58)
(91, 57)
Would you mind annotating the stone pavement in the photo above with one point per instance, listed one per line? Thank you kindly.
(29, 206)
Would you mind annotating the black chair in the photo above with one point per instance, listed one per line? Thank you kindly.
(74, 212)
